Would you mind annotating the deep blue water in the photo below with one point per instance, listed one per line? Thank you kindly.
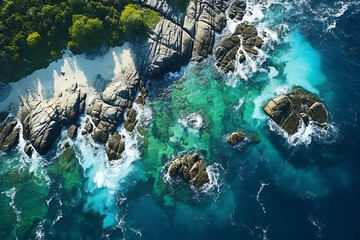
(282, 188)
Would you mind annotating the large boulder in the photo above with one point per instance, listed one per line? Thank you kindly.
(42, 121)
(297, 106)
(235, 137)
(105, 117)
(115, 147)
(191, 167)
(9, 134)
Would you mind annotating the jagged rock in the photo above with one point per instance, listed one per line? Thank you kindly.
(225, 54)
(245, 35)
(88, 126)
(141, 97)
(9, 134)
(72, 131)
(177, 35)
(168, 48)
(204, 39)
(42, 121)
(83, 132)
(115, 147)
(299, 105)
(235, 137)
(130, 120)
(191, 167)
(28, 149)
(105, 117)
(237, 9)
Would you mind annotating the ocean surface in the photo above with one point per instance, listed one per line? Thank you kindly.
(305, 186)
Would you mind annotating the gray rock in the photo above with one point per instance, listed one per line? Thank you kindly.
(9, 134)
(299, 105)
(72, 131)
(245, 35)
(28, 149)
(237, 9)
(115, 147)
(88, 126)
(42, 121)
(191, 167)
(130, 120)
(105, 117)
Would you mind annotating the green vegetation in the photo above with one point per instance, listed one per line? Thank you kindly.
(86, 34)
(138, 21)
(33, 40)
(34, 32)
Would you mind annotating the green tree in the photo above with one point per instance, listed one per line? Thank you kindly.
(33, 40)
(137, 21)
(86, 34)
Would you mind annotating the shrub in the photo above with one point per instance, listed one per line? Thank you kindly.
(86, 34)
(33, 40)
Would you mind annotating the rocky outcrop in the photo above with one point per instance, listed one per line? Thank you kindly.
(245, 37)
(235, 137)
(121, 91)
(88, 126)
(72, 131)
(9, 134)
(130, 120)
(42, 121)
(28, 149)
(298, 106)
(177, 34)
(191, 167)
(105, 117)
(237, 9)
(115, 147)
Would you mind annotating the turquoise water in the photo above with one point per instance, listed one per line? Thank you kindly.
(274, 186)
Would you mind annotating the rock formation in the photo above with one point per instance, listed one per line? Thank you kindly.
(191, 167)
(115, 147)
(130, 120)
(237, 9)
(235, 137)
(299, 105)
(177, 34)
(9, 133)
(42, 121)
(105, 117)
(245, 36)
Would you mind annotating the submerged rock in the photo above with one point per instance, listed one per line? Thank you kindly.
(235, 137)
(9, 134)
(115, 147)
(191, 167)
(298, 106)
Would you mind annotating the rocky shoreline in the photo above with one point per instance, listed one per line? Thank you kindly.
(178, 38)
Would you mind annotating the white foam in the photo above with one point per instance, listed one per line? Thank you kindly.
(306, 134)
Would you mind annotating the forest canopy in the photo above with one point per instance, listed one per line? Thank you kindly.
(34, 32)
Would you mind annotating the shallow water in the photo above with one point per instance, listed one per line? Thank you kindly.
(272, 187)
